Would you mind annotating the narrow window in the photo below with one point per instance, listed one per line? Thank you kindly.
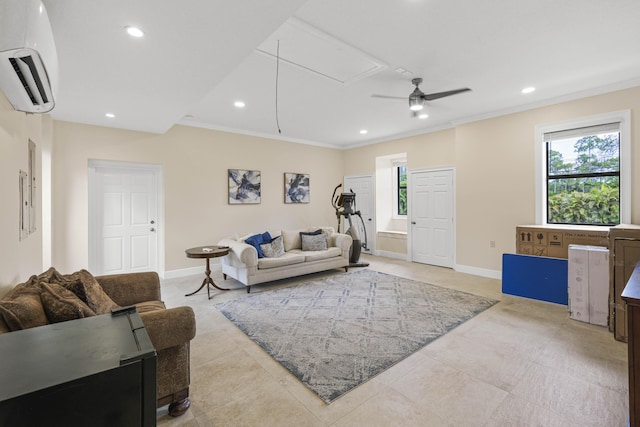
(401, 185)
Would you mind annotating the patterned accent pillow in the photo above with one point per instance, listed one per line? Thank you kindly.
(61, 304)
(274, 249)
(314, 242)
(310, 233)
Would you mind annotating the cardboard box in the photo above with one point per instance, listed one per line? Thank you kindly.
(554, 240)
(588, 284)
(578, 283)
(598, 285)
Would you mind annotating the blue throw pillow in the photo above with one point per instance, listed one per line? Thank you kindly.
(258, 239)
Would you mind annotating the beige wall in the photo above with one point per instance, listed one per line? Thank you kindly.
(392, 244)
(493, 159)
(427, 150)
(195, 163)
(20, 259)
(494, 163)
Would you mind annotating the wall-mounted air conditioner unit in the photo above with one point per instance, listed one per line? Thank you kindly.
(28, 58)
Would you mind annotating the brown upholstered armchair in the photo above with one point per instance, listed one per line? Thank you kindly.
(170, 330)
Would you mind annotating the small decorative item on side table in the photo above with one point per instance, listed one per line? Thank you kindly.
(207, 252)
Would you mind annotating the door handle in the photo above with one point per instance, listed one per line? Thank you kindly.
(413, 222)
(152, 222)
(152, 229)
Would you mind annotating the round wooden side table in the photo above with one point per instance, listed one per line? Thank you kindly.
(207, 252)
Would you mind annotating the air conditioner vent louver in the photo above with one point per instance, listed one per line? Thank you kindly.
(29, 78)
(28, 59)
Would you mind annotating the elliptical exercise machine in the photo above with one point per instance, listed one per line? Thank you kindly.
(345, 206)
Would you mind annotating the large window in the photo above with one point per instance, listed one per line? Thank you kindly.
(583, 172)
(401, 186)
(583, 175)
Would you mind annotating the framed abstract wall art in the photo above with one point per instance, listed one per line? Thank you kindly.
(296, 188)
(244, 186)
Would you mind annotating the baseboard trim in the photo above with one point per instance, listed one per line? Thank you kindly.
(483, 272)
(394, 255)
(216, 267)
(184, 272)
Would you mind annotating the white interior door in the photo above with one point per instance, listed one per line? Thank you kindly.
(124, 219)
(431, 217)
(362, 185)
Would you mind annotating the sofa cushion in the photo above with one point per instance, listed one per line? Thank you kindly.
(21, 308)
(85, 286)
(286, 259)
(147, 306)
(291, 239)
(273, 249)
(331, 252)
(61, 304)
(314, 242)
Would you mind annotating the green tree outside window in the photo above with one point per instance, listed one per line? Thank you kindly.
(583, 180)
(402, 190)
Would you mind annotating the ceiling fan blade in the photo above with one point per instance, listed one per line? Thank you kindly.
(432, 96)
(404, 98)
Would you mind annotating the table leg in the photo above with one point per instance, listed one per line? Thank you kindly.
(206, 282)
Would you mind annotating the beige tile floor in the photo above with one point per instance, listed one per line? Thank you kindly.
(520, 363)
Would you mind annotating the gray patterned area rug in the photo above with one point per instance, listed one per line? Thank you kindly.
(335, 333)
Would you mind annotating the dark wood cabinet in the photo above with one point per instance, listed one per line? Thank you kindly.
(631, 295)
(96, 371)
(624, 254)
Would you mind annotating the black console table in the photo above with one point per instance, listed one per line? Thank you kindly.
(96, 371)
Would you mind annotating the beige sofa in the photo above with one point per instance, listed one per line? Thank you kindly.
(244, 265)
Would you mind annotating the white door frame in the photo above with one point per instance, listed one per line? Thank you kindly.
(371, 240)
(410, 178)
(94, 231)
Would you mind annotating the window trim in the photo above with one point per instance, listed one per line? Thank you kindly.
(624, 118)
(396, 189)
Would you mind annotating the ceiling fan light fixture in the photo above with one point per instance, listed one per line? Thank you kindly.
(415, 104)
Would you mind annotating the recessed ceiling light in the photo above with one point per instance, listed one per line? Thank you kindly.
(423, 116)
(528, 89)
(110, 115)
(364, 132)
(239, 104)
(134, 31)
(403, 71)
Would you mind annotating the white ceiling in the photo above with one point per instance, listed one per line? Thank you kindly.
(199, 56)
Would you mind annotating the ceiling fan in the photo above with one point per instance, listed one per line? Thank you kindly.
(417, 97)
